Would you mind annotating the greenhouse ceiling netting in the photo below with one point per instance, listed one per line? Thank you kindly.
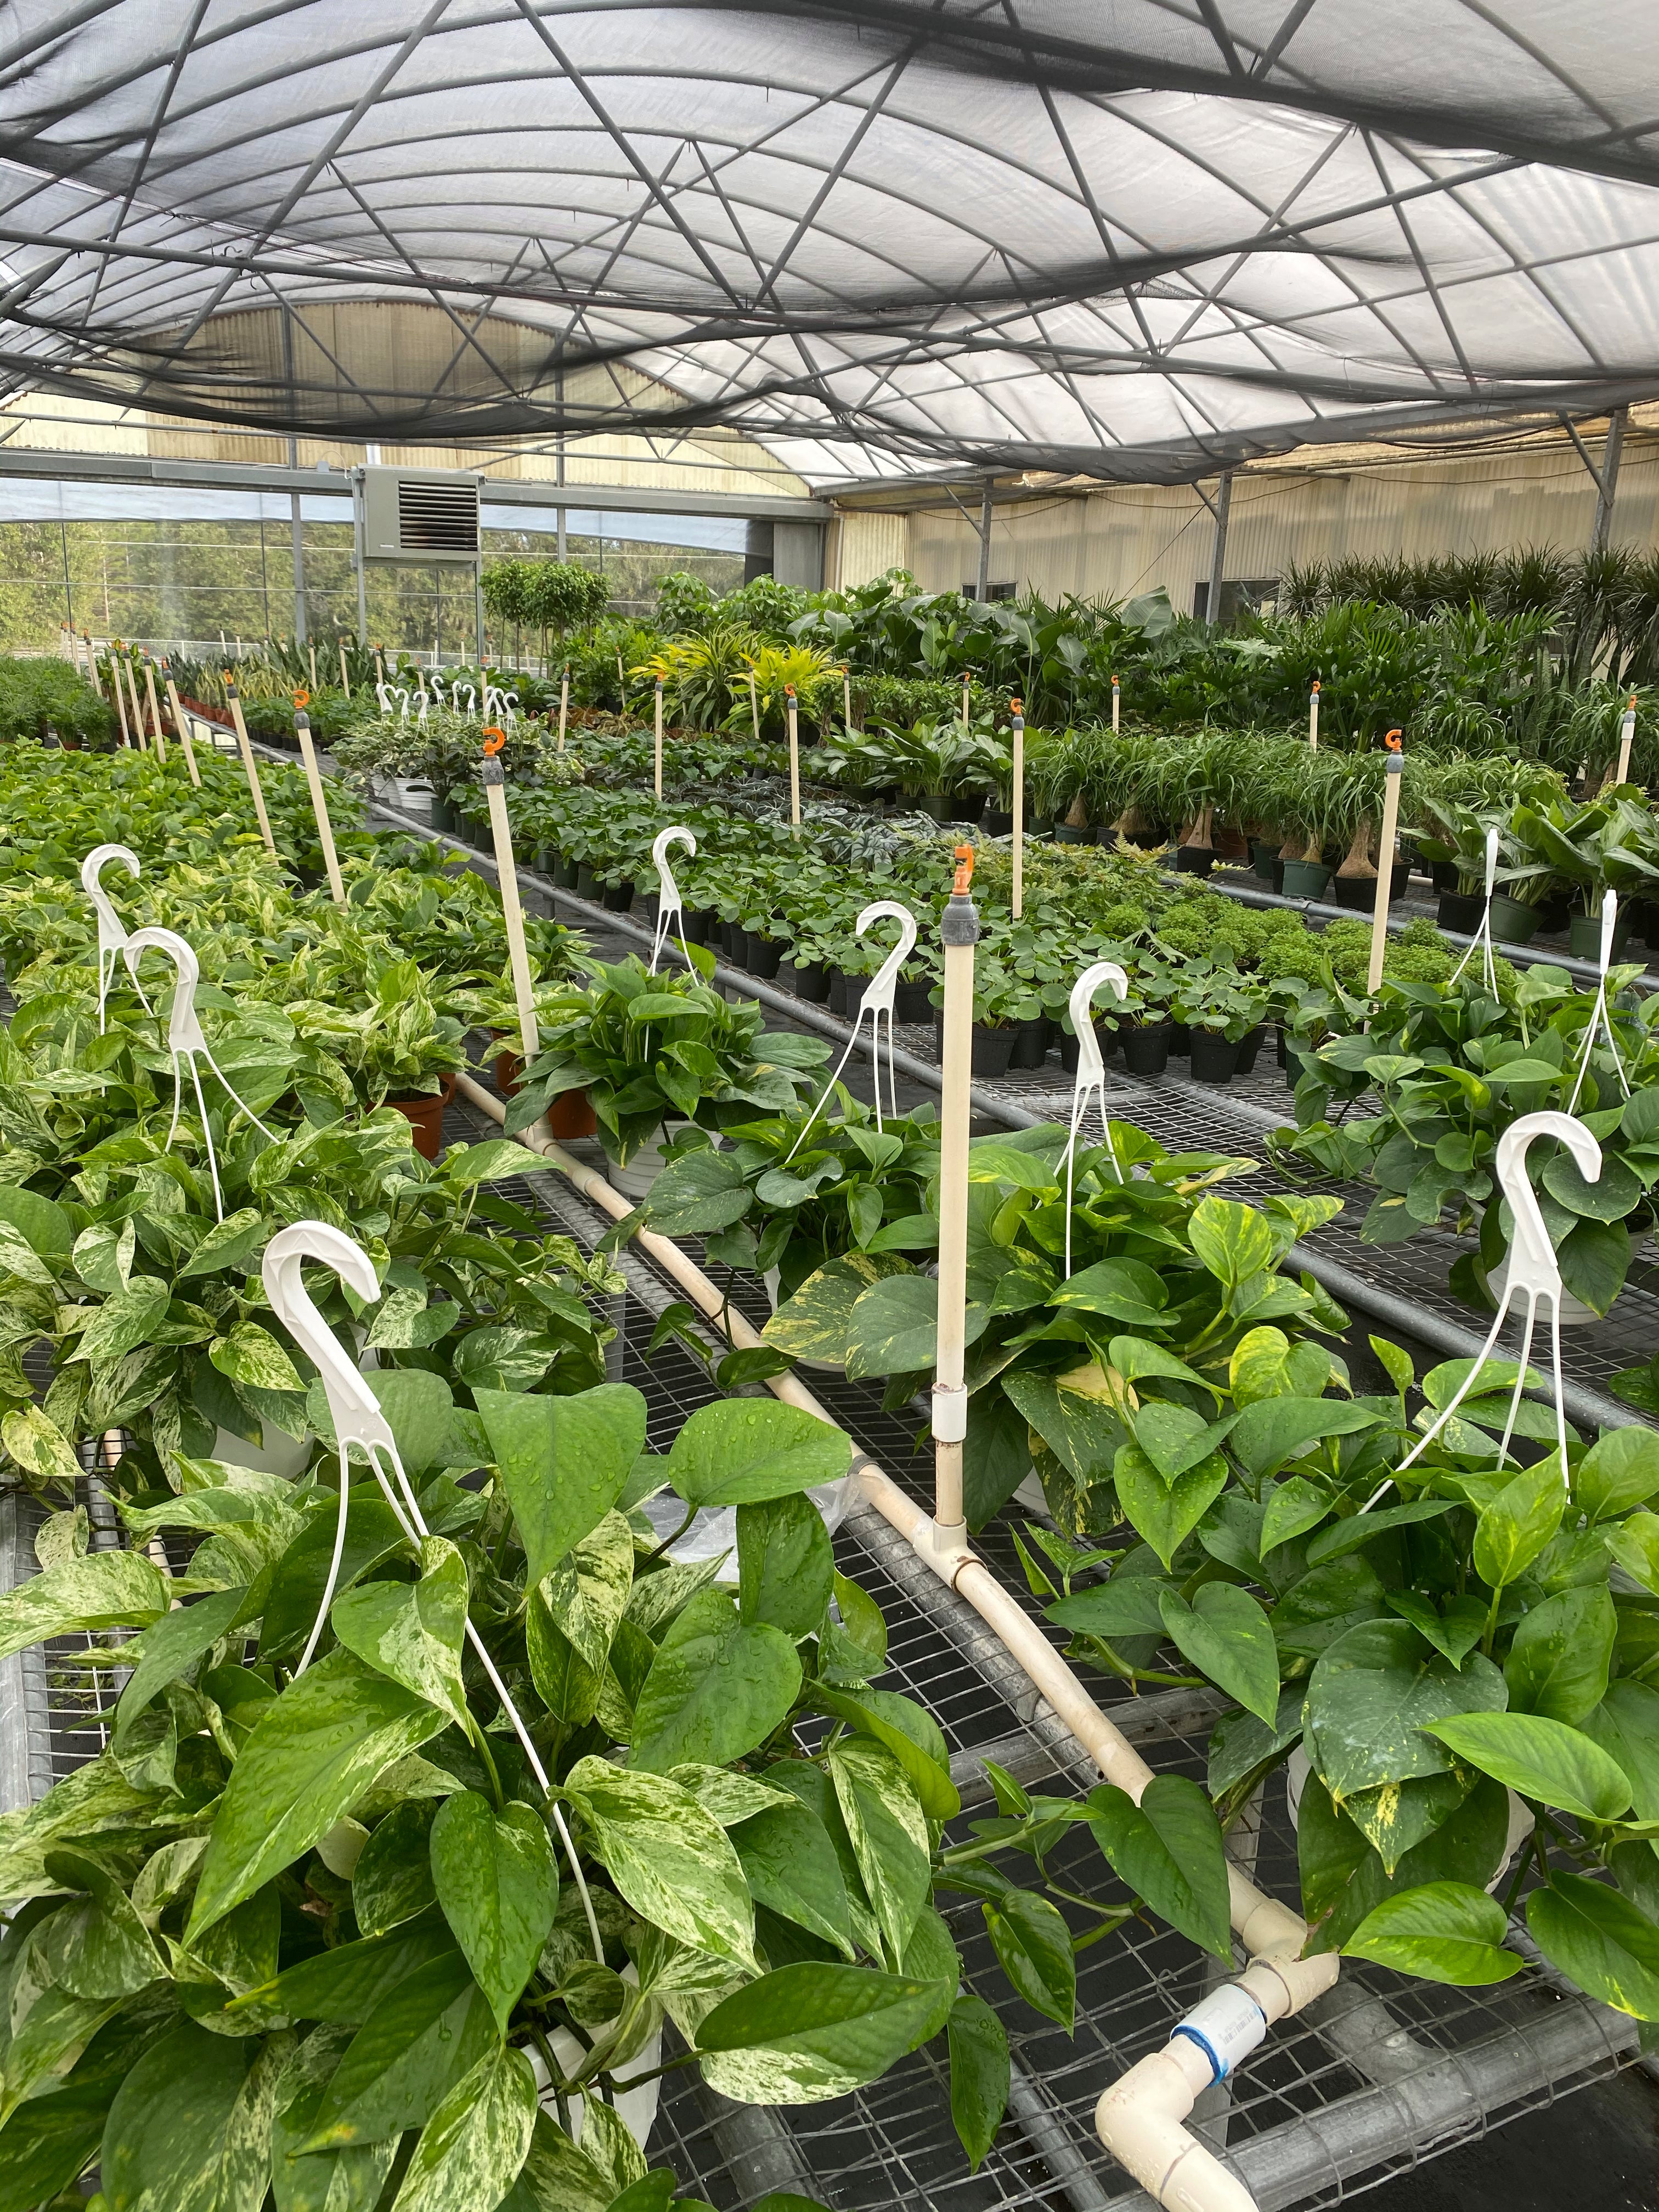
(1141, 241)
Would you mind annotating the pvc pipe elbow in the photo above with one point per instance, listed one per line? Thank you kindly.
(1140, 2119)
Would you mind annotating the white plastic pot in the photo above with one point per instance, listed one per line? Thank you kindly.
(1297, 1768)
(636, 2108)
(280, 1454)
(634, 1180)
(715, 1529)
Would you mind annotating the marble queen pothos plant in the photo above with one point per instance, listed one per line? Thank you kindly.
(317, 1930)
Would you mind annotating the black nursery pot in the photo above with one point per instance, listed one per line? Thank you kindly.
(763, 955)
(1181, 1039)
(618, 898)
(1358, 893)
(1146, 1048)
(1194, 859)
(1249, 1045)
(587, 882)
(995, 824)
(1030, 1046)
(993, 1049)
(699, 922)
(1215, 1058)
(812, 981)
(734, 942)
(1443, 874)
(1460, 910)
(912, 1001)
(565, 874)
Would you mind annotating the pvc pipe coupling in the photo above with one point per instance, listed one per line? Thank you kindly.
(1226, 2027)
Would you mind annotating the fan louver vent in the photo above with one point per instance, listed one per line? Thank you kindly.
(437, 518)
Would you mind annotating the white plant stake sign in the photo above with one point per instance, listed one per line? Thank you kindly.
(111, 930)
(185, 1041)
(669, 908)
(355, 1412)
(877, 1000)
(1533, 1270)
(1090, 1080)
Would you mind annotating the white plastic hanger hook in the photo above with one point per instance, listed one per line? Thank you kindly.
(1600, 1021)
(1091, 1077)
(185, 1041)
(669, 909)
(111, 930)
(358, 1419)
(1482, 936)
(1532, 1271)
(877, 998)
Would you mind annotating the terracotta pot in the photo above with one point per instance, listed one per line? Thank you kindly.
(509, 1067)
(571, 1114)
(425, 1115)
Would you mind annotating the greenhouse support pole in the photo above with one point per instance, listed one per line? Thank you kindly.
(493, 778)
(181, 725)
(983, 591)
(1115, 700)
(318, 802)
(1626, 740)
(234, 698)
(1017, 894)
(1385, 863)
(657, 745)
(564, 704)
(959, 932)
(155, 708)
(1606, 480)
(794, 759)
(1313, 717)
(1224, 500)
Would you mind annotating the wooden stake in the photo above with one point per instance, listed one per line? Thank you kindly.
(794, 758)
(319, 804)
(847, 698)
(181, 726)
(1312, 716)
(137, 711)
(754, 705)
(120, 701)
(154, 709)
(345, 680)
(1385, 863)
(965, 683)
(312, 650)
(960, 933)
(564, 704)
(1018, 900)
(657, 752)
(1626, 740)
(233, 699)
(92, 676)
(524, 989)
(1114, 705)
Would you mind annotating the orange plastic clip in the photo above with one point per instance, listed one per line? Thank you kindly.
(494, 739)
(1393, 740)
(1016, 707)
(964, 872)
(302, 699)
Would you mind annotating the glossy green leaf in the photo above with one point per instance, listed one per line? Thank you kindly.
(1445, 1931)
(745, 1450)
(1168, 1849)
(980, 2076)
(785, 1563)
(811, 2030)
(498, 1885)
(165, 2140)
(562, 1462)
(717, 1689)
(793, 1870)
(888, 1831)
(1034, 1946)
(1514, 1528)
(910, 1732)
(1374, 1694)
(413, 1631)
(1226, 1635)
(1559, 1660)
(1543, 1759)
(313, 1754)
(471, 2149)
(1619, 1471)
(104, 1589)
(813, 1324)
(1275, 1430)
(1599, 1940)
(413, 2047)
(672, 1861)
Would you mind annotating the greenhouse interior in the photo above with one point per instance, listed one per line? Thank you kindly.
(619, 1591)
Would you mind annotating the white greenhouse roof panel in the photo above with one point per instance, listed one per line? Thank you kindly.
(883, 237)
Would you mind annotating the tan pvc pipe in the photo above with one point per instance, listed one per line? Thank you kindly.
(345, 680)
(657, 754)
(1140, 2117)
(950, 1396)
(120, 699)
(137, 711)
(1313, 719)
(524, 989)
(234, 697)
(794, 758)
(92, 676)
(564, 704)
(181, 725)
(1017, 900)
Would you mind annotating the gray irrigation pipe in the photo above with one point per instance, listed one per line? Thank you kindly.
(1588, 1408)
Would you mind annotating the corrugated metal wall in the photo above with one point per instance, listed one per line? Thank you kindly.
(1123, 539)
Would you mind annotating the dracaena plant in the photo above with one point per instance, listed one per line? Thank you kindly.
(1165, 1279)
(648, 1048)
